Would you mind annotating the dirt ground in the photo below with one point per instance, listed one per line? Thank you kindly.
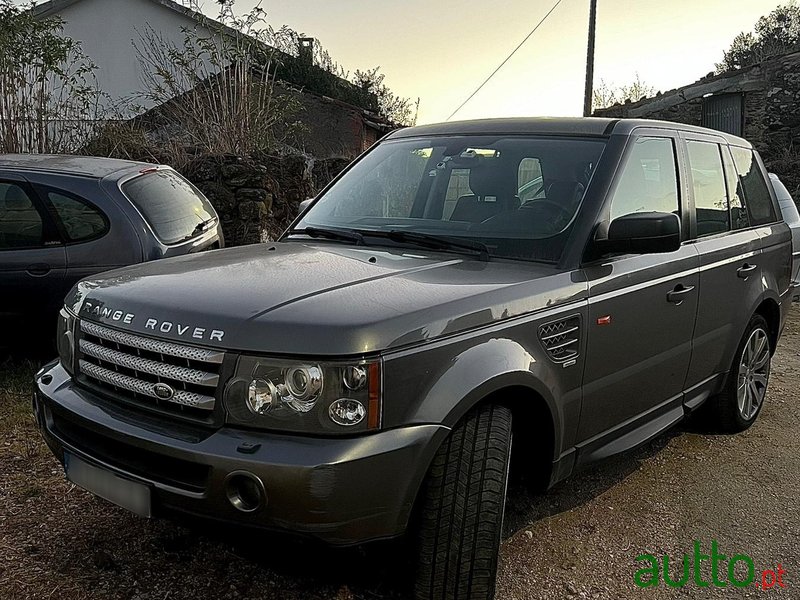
(580, 540)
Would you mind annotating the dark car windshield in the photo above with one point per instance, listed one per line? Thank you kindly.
(173, 207)
(515, 195)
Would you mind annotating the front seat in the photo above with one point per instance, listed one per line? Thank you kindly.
(490, 196)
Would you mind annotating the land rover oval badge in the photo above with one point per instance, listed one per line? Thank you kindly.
(163, 391)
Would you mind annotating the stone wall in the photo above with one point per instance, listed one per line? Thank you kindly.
(258, 197)
(771, 93)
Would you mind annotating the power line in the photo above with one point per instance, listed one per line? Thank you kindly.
(502, 64)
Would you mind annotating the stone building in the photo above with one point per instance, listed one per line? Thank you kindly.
(760, 103)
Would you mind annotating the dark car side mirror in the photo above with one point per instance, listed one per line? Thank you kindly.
(643, 233)
(303, 206)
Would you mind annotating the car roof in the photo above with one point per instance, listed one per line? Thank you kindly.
(87, 166)
(566, 126)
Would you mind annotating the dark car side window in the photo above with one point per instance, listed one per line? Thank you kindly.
(20, 222)
(649, 180)
(79, 222)
(710, 194)
(756, 192)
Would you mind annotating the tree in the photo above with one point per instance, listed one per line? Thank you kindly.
(605, 95)
(214, 90)
(49, 99)
(402, 111)
(774, 34)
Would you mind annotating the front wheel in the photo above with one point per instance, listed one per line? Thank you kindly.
(739, 404)
(462, 509)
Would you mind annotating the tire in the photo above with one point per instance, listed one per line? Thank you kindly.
(729, 412)
(461, 516)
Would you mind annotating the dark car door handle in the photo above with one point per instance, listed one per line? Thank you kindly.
(745, 270)
(39, 269)
(678, 295)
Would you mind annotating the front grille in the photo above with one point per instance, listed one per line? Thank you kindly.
(148, 372)
(561, 339)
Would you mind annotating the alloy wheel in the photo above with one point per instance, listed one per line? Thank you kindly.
(753, 374)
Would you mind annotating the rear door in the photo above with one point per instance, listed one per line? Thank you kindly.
(641, 313)
(726, 233)
(32, 256)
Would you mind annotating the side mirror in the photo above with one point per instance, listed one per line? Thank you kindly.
(303, 206)
(643, 233)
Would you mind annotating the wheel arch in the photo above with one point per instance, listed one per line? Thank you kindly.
(771, 311)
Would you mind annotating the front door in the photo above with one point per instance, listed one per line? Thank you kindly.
(642, 311)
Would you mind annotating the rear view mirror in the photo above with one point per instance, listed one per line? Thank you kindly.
(643, 233)
(303, 206)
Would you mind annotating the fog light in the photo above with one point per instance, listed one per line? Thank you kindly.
(347, 412)
(262, 396)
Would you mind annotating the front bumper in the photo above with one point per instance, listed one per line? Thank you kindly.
(341, 490)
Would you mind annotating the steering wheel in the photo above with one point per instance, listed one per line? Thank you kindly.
(550, 206)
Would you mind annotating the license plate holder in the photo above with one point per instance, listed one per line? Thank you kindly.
(128, 494)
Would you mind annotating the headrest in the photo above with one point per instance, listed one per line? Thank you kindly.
(488, 180)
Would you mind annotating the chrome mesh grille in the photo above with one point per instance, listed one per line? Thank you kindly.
(561, 339)
(150, 372)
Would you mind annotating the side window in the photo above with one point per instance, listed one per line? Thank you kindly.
(739, 217)
(530, 181)
(710, 195)
(79, 221)
(756, 192)
(649, 180)
(20, 222)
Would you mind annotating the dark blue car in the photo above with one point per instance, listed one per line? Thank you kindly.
(63, 218)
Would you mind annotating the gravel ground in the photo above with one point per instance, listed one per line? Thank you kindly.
(580, 540)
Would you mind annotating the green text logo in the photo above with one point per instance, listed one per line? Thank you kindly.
(737, 571)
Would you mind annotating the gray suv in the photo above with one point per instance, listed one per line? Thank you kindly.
(364, 376)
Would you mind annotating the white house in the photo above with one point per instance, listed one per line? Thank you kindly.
(107, 30)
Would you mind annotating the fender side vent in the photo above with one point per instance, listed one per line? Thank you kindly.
(561, 339)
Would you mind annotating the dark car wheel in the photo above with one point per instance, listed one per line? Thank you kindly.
(463, 500)
(739, 404)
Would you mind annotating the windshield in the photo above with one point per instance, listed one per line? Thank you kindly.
(174, 208)
(517, 196)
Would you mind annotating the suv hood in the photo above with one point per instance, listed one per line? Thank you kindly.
(317, 298)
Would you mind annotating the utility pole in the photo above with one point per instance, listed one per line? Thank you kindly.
(587, 99)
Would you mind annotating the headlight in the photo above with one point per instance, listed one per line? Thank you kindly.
(65, 339)
(306, 397)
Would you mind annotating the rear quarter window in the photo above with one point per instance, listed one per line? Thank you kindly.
(173, 207)
(756, 193)
(78, 221)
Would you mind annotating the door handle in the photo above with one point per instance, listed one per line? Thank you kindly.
(678, 295)
(38, 269)
(745, 270)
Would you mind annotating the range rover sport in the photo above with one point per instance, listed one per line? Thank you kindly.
(363, 377)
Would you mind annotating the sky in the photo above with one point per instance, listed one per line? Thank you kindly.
(441, 50)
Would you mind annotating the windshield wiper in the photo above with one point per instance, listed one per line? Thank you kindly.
(435, 242)
(199, 228)
(332, 234)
